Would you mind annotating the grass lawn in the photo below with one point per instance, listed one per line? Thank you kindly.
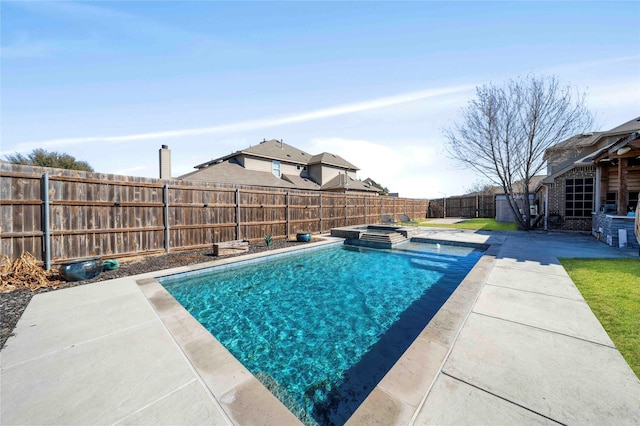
(476, 224)
(611, 287)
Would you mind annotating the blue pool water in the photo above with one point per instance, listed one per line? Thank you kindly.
(320, 328)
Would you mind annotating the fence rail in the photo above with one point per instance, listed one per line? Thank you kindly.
(95, 214)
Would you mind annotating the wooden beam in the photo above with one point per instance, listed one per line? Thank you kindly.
(604, 184)
(622, 186)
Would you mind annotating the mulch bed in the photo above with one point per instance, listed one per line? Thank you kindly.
(13, 304)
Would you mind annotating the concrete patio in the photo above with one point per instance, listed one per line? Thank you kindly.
(515, 344)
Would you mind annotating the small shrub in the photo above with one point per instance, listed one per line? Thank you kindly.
(268, 240)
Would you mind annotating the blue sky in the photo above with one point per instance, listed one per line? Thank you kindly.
(375, 82)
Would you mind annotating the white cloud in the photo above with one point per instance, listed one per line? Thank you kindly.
(413, 168)
(250, 125)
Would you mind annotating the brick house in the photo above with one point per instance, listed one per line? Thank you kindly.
(594, 178)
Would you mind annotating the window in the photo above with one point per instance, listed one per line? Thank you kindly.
(275, 168)
(578, 197)
(633, 201)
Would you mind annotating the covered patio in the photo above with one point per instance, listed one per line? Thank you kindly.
(616, 191)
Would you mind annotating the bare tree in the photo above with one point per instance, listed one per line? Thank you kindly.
(481, 188)
(506, 129)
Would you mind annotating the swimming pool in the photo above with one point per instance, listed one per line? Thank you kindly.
(322, 327)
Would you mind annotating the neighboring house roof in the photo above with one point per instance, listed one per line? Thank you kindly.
(344, 182)
(331, 160)
(301, 182)
(272, 149)
(518, 187)
(534, 184)
(228, 169)
(227, 172)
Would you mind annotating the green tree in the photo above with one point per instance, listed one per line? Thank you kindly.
(506, 129)
(43, 158)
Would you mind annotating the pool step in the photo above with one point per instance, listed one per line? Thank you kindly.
(410, 232)
(387, 237)
(373, 239)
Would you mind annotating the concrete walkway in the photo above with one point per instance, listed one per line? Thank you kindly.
(531, 351)
(524, 349)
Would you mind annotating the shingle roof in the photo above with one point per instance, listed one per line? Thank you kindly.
(578, 141)
(301, 182)
(278, 150)
(628, 127)
(271, 149)
(351, 184)
(332, 160)
(586, 147)
(588, 139)
(226, 172)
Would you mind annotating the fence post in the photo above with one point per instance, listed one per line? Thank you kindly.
(46, 227)
(287, 214)
(167, 245)
(237, 213)
(321, 228)
(346, 209)
(393, 217)
(365, 209)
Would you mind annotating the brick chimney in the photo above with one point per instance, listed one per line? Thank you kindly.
(165, 162)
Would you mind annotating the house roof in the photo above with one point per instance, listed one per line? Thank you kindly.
(577, 141)
(332, 160)
(272, 149)
(589, 139)
(344, 182)
(619, 148)
(629, 126)
(610, 138)
(227, 172)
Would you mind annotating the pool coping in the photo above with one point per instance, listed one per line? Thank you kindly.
(397, 398)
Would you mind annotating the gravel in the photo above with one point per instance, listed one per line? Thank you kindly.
(13, 304)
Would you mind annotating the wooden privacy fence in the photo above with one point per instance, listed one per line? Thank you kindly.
(95, 214)
(463, 206)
